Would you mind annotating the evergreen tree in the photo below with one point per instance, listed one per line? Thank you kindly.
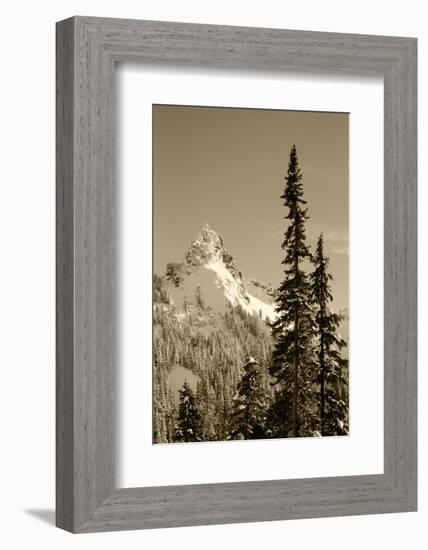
(188, 416)
(249, 404)
(163, 404)
(206, 401)
(293, 328)
(333, 409)
(199, 300)
(278, 414)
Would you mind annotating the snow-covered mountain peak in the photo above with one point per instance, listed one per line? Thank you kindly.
(208, 248)
(206, 262)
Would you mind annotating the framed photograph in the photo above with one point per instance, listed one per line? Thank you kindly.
(236, 274)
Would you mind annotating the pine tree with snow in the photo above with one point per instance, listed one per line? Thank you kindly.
(188, 416)
(206, 404)
(163, 403)
(293, 328)
(333, 409)
(249, 404)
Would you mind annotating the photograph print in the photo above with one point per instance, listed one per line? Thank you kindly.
(250, 274)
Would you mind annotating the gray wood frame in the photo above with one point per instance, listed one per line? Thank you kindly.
(87, 50)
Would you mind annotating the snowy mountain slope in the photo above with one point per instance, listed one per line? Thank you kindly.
(208, 273)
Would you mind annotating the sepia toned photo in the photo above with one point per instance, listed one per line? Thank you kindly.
(250, 274)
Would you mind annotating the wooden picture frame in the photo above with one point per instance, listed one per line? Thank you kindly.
(87, 50)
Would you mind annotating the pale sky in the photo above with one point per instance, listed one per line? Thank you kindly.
(227, 166)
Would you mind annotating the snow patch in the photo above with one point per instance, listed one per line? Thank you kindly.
(266, 309)
(234, 292)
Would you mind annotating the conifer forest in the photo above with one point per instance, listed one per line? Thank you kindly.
(239, 359)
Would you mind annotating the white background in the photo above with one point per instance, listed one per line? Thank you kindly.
(27, 273)
(362, 451)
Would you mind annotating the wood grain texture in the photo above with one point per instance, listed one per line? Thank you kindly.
(87, 49)
(64, 276)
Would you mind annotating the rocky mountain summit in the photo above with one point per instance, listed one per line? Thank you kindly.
(208, 272)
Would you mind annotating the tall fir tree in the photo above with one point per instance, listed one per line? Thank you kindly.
(250, 402)
(188, 416)
(333, 409)
(293, 327)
